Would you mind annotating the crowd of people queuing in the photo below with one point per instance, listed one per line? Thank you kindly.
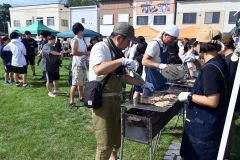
(206, 57)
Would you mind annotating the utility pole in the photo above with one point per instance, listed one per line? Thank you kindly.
(175, 12)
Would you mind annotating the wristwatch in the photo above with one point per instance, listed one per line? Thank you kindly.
(189, 97)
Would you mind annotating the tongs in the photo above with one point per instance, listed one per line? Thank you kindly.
(137, 76)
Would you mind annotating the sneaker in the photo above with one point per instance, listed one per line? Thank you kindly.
(25, 85)
(50, 94)
(18, 84)
(7, 82)
(72, 105)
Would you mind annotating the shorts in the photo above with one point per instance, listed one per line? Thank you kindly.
(20, 70)
(138, 89)
(79, 76)
(30, 59)
(8, 68)
(52, 76)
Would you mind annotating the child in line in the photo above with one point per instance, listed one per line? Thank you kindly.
(6, 58)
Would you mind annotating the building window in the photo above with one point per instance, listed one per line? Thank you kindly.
(16, 23)
(123, 17)
(212, 17)
(159, 20)
(108, 19)
(233, 19)
(189, 18)
(50, 21)
(142, 20)
(39, 19)
(64, 22)
(28, 22)
(82, 20)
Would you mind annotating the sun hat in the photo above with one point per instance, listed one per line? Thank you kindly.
(227, 39)
(208, 35)
(170, 29)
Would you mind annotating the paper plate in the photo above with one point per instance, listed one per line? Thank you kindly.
(173, 72)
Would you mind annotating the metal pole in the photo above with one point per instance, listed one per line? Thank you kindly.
(231, 108)
(175, 12)
(3, 27)
(123, 110)
(157, 141)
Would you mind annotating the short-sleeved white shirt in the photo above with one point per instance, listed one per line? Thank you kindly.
(82, 47)
(153, 49)
(99, 53)
(18, 52)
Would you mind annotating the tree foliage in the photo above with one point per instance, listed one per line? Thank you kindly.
(4, 17)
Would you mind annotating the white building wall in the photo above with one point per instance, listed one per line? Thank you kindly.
(224, 7)
(57, 11)
(88, 13)
(106, 30)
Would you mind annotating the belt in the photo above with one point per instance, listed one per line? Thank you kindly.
(111, 94)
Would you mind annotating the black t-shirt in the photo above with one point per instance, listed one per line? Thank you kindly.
(42, 43)
(213, 81)
(30, 45)
(232, 68)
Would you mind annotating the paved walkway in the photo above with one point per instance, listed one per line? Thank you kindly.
(173, 152)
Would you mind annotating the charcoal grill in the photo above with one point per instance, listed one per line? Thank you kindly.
(180, 86)
(184, 86)
(142, 122)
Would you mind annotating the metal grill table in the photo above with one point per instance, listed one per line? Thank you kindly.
(142, 122)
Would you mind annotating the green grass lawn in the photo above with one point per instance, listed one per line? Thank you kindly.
(35, 126)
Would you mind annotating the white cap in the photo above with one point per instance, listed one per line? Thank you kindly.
(170, 29)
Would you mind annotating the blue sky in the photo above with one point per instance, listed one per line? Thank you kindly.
(27, 2)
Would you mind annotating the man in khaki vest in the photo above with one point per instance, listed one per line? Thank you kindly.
(106, 58)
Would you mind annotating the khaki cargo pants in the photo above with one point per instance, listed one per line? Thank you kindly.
(107, 123)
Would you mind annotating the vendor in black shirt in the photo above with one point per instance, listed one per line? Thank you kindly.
(30, 45)
(232, 68)
(208, 101)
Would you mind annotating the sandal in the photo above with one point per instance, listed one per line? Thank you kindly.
(72, 105)
(82, 100)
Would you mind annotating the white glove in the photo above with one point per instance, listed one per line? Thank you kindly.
(183, 96)
(236, 54)
(189, 58)
(149, 86)
(162, 66)
(130, 64)
(237, 49)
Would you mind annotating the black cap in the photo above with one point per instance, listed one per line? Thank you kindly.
(28, 33)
